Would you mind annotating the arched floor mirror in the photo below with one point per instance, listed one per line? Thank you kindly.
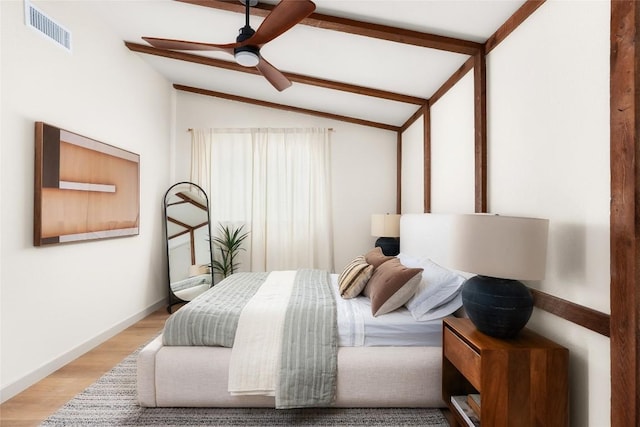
(188, 242)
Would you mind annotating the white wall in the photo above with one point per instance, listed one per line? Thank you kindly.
(548, 109)
(413, 168)
(363, 162)
(548, 156)
(59, 301)
(452, 150)
(452, 155)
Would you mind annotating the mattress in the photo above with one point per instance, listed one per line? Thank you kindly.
(358, 328)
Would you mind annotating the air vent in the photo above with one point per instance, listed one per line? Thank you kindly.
(37, 20)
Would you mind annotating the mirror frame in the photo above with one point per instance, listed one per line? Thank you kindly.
(173, 298)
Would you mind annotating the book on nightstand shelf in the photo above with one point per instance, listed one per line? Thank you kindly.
(465, 411)
(474, 402)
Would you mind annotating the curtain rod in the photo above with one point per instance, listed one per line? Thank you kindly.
(191, 129)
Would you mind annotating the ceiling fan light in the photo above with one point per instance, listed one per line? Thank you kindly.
(247, 56)
(247, 59)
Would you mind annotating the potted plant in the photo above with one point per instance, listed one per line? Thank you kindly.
(229, 242)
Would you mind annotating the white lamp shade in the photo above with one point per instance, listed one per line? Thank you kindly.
(501, 246)
(385, 225)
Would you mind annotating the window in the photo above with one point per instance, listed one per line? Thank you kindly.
(278, 183)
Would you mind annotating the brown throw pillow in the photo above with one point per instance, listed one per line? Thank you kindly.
(354, 277)
(376, 258)
(391, 285)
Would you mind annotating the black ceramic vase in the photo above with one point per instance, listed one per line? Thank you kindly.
(497, 307)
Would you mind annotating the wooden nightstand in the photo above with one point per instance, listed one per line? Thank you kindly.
(522, 381)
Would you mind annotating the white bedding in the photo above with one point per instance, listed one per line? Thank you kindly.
(357, 327)
(260, 331)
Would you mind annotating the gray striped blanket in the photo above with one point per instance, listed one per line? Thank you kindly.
(309, 352)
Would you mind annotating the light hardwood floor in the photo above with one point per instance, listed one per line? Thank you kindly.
(36, 403)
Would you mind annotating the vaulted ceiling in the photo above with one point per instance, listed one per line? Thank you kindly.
(372, 62)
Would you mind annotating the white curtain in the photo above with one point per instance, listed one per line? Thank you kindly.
(278, 183)
(201, 158)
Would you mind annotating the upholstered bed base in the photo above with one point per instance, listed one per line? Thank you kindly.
(367, 377)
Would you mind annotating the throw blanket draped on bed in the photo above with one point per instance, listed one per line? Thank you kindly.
(259, 332)
(308, 359)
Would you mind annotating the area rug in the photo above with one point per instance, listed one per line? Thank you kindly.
(111, 401)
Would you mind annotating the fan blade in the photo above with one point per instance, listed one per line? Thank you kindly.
(187, 45)
(273, 75)
(284, 16)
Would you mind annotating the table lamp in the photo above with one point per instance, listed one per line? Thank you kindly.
(387, 228)
(501, 250)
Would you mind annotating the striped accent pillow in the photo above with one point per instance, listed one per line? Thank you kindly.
(354, 277)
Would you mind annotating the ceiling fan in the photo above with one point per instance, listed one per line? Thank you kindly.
(246, 49)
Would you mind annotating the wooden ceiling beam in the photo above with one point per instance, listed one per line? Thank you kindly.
(512, 23)
(366, 29)
(284, 107)
(298, 78)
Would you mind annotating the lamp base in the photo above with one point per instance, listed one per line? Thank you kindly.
(497, 307)
(389, 245)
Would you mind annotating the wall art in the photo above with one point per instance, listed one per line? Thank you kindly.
(84, 189)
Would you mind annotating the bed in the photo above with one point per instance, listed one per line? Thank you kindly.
(371, 371)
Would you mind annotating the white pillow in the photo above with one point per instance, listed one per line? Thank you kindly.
(410, 260)
(437, 287)
(444, 309)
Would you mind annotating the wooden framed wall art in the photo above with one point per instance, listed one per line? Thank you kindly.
(84, 189)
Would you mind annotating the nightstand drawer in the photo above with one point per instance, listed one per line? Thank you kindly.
(463, 357)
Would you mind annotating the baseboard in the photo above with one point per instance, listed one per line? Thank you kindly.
(28, 380)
